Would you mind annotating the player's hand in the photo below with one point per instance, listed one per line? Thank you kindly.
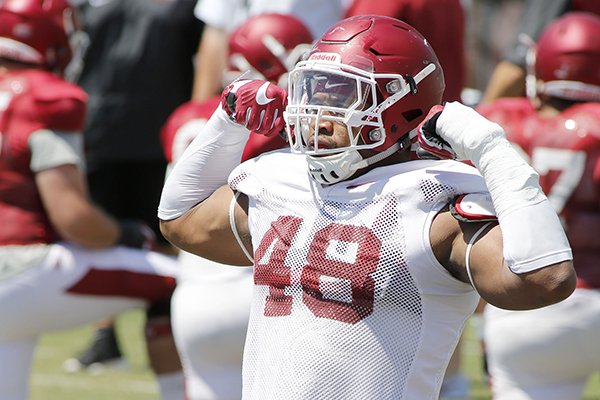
(136, 234)
(258, 105)
(431, 145)
(464, 133)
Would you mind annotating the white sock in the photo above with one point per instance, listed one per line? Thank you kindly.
(171, 386)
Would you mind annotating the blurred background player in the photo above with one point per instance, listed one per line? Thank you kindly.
(223, 16)
(508, 77)
(211, 303)
(442, 23)
(62, 260)
(550, 353)
(138, 67)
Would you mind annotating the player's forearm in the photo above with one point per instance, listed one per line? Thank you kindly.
(204, 166)
(86, 225)
(507, 80)
(210, 63)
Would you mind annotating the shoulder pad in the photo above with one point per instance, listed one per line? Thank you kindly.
(473, 207)
(58, 104)
(583, 110)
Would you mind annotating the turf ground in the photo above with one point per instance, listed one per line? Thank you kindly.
(50, 382)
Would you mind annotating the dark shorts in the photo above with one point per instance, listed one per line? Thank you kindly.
(130, 190)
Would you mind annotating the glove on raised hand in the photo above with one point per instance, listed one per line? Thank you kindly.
(458, 131)
(258, 105)
(429, 140)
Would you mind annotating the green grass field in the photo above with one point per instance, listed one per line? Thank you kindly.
(50, 382)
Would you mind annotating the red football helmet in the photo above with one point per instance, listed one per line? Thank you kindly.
(375, 74)
(566, 58)
(268, 45)
(37, 32)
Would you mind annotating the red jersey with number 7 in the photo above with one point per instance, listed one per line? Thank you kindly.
(565, 150)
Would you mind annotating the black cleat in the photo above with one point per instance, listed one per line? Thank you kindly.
(103, 353)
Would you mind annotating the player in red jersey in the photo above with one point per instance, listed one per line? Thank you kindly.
(209, 323)
(365, 264)
(63, 261)
(442, 23)
(550, 353)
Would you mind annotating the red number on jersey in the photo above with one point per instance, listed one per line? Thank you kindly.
(274, 272)
(336, 281)
(324, 270)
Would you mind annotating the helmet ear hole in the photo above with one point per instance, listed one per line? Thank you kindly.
(412, 115)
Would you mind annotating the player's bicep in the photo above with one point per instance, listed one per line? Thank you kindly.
(499, 286)
(206, 229)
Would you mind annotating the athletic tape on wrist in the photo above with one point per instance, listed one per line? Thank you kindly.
(532, 234)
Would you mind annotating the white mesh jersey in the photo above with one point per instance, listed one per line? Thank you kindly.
(349, 300)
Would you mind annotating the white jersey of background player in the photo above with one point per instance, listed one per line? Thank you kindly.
(209, 323)
(361, 278)
(222, 17)
(62, 260)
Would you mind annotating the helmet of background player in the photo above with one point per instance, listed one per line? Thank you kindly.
(268, 45)
(38, 32)
(565, 61)
(378, 76)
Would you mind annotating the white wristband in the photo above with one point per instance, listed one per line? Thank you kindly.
(204, 166)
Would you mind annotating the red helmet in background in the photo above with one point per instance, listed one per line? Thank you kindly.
(567, 58)
(268, 45)
(375, 74)
(37, 32)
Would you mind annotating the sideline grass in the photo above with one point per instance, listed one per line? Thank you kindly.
(50, 382)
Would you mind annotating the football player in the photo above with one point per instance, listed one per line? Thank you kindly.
(63, 261)
(367, 265)
(550, 353)
(211, 303)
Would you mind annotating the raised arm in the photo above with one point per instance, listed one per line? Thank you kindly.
(526, 261)
(196, 204)
(211, 61)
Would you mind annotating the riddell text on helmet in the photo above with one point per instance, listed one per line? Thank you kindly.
(332, 57)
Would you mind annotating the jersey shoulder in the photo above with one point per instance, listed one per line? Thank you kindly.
(585, 112)
(511, 114)
(54, 102)
(514, 106)
(277, 171)
(575, 128)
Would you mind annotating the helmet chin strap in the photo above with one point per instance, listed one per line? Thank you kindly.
(334, 168)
